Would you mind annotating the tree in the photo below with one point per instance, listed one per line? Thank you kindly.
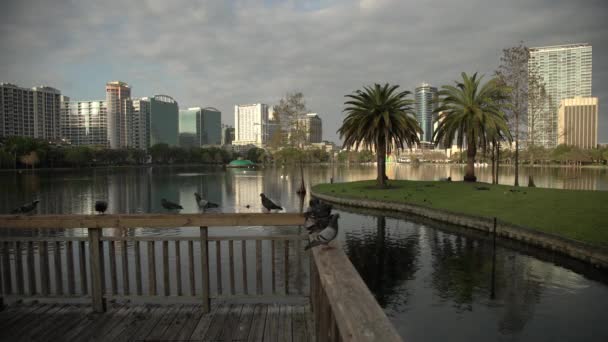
(513, 73)
(291, 108)
(380, 117)
(471, 113)
(256, 155)
(30, 159)
(160, 153)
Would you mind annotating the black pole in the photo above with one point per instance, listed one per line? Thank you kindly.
(493, 289)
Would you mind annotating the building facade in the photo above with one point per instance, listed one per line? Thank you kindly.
(30, 112)
(425, 106)
(312, 125)
(211, 127)
(227, 135)
(164, 120)
(566, 73)
(577, 122)
(139, 132)
(119, 107)
(251, 124)
(85, 123)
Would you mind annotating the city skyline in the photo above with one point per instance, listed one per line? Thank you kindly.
(148, 57)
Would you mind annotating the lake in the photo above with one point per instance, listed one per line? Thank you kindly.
(433, 280)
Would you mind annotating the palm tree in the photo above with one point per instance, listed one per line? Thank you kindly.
(380, 117)
(471, 113)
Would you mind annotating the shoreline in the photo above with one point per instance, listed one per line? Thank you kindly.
(593, 255)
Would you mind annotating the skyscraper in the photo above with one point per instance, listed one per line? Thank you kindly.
(425, 94)
(139, 135)
(85, 123)
(119, 107)
(577, 122)
(313, 127)
(566, 73)
(251, 124)
(164, 120)
(200, 126)
(30, 112)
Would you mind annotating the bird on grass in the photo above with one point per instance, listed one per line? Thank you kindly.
(26, 208)
(203, 203)
(101, 206)
(268, 204)
(326, 235)
(170, 205)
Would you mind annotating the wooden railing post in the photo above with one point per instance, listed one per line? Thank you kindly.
(99, 303)
(205, 268)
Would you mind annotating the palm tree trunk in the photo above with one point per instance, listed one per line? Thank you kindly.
(469, 174)
(516, 149)
(497, 160)
(381, 159)
(493, 158)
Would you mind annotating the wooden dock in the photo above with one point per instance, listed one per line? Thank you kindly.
(186, 322)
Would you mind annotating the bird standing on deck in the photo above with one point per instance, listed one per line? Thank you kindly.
(170, 205)
(268, 204)
(203, 203)
(326, 235)
(101, 206)
(26, 208)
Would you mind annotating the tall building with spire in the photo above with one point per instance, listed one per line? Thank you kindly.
(566, 73)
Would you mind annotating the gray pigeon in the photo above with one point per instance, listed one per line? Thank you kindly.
(203, 203)
(317, 224)
(318, 209)
(101, 206)
(170, 205)
(268, 204)
(326, 235)
(26, 208)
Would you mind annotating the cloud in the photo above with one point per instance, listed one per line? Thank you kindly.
(220, 53)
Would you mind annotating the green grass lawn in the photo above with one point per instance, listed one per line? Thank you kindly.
(575, 214)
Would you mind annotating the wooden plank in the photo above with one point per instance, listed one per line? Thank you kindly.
(95, 266)
(271, 327)
(259, 275)
(215, 329)
(84, 286)
(242, 329)
(125, 268)
(166, 275)
(299, 332)
(258, 323)
(112, 260)
(138, 282)
(244, 265)
(176, 326)
(31, 269)
(358, 316)
(29, 321)
(142, 323)
(278, 237)
(49, 319)
(273, 265)
(231, 262)
(178, 268)
(286, 320)
(286, 265)
(204, 323)
(218, 267)
(204, 268)
(69, 261)
(58, 269)
(18, 252)
(7, 282)
(92, 323)
(191, 273)
(130, 318)
(65, 322)
(150, 220)
(10, 320)
(190, 323)
(44, 267)
(151, 269)
(231, 323)
(163, 324)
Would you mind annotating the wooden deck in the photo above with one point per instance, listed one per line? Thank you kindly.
(129, 322)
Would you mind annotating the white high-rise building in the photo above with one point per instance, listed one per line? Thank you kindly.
(251, 124)
(566, 73)
(85, 123)
(120, 108)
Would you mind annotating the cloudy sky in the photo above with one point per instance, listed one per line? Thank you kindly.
(225, 52)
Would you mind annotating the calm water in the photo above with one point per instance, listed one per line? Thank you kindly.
(433, 280)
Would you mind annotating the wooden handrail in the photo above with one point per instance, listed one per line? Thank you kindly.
(151, 220)
(344, 308)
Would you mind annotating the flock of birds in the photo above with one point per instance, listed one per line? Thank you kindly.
(319, 219)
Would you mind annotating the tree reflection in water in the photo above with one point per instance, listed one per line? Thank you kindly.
(384, 262)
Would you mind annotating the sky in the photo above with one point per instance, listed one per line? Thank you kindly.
(226, 52)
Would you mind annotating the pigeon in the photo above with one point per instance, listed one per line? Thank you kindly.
(317, 209)
(170, 205)
(318, 224)
(26, 208)
(101, 206)
(203, 203)
(268, 204)
(326, 235)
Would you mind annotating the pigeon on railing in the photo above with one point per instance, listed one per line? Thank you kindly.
(318, 209)
(268, 204)
(101, 206)
(170, 205)
(317, 224)
(326, 235)
(26, 208)
(203, 203)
